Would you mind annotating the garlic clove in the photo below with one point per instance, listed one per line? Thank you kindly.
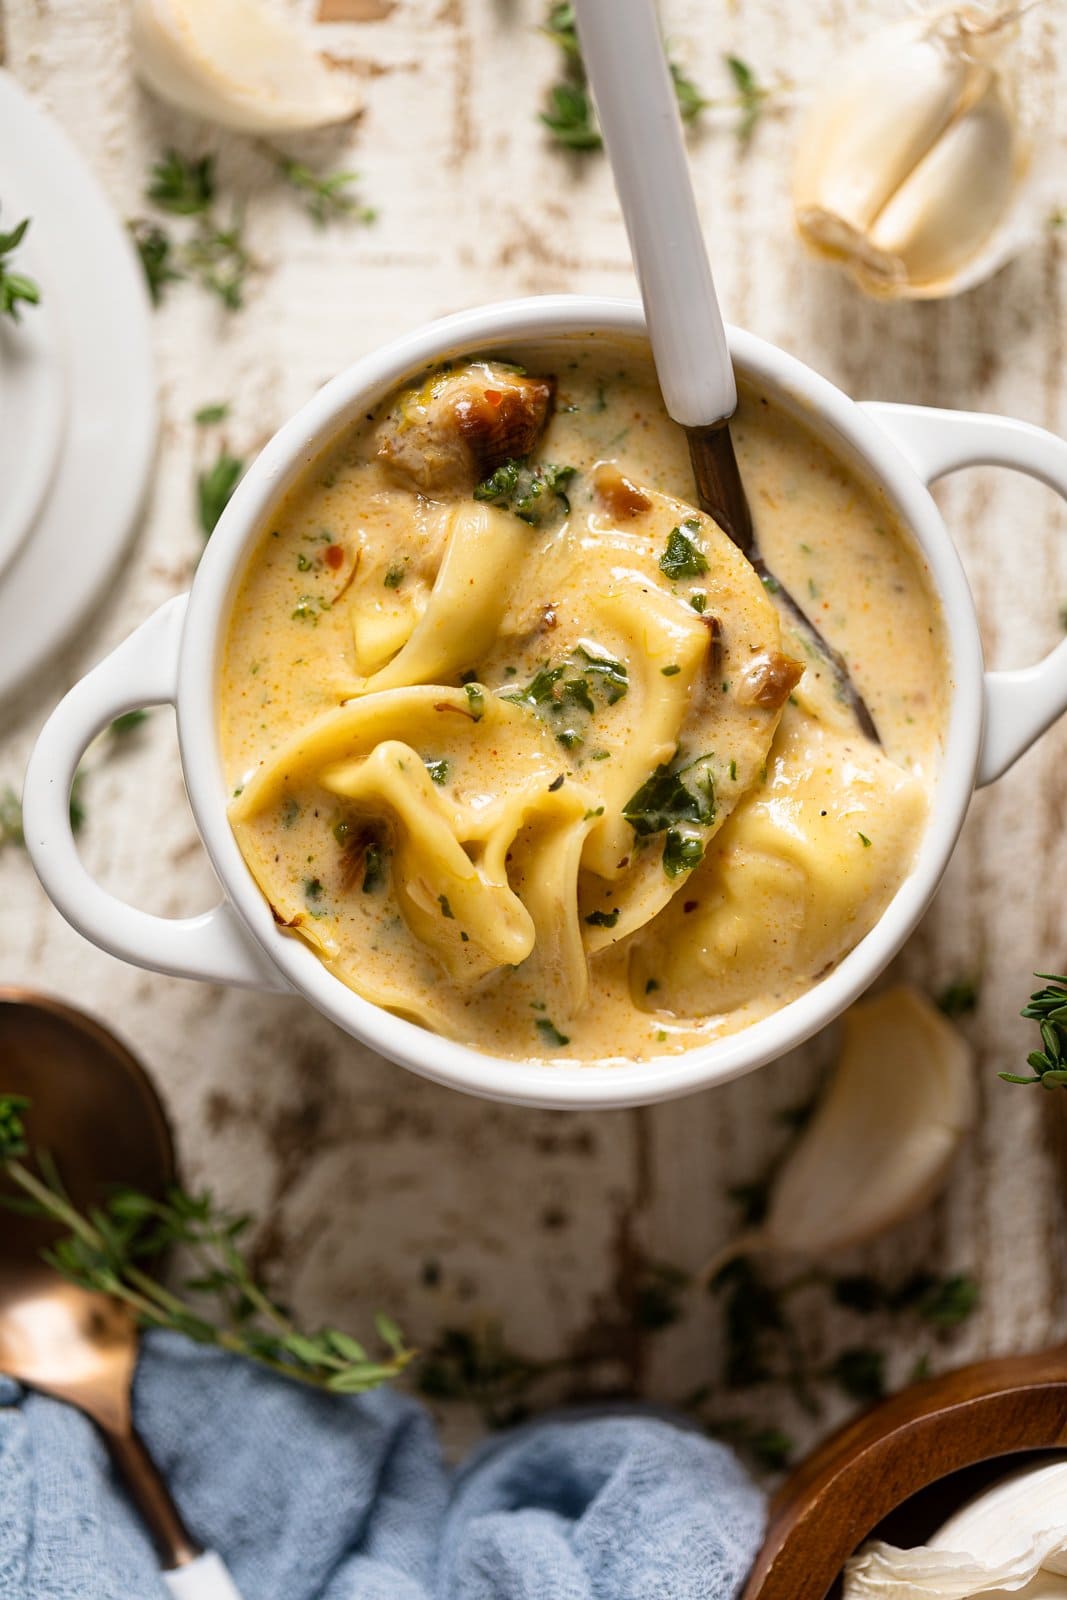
(1012, 1539)
(911, 171)
(882, 1138)
(944, 212)
(234, 62)
(860, 142)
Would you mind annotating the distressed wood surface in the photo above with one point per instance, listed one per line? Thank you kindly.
(377, 1189)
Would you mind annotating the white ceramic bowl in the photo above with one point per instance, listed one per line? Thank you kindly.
(174, 658)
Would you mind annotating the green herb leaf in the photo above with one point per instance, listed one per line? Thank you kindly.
(181, 185)
(128, 723)
(535, 494)
(15, 288)
(373, 868)
(218, 412)
(690, 100)
(327, 198)
(568, 116)
(681, 557)
(603, 919)
(214, 487)
(475, 700)
(394, 578)
(156, 251)
(959, 999)
(673, 794)
(681, 852)
(439, 771)
(550, 1033)
(860, 1373)
(750, 94)
(10, 818)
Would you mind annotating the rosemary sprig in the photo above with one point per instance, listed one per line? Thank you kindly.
(109, 1249)
(1048, 1008)
(15, 287)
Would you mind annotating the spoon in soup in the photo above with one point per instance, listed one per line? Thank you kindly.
(638, 113)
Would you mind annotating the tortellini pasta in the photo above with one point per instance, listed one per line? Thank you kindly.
(526, 757)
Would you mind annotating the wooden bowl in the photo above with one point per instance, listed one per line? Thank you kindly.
(918, 1455)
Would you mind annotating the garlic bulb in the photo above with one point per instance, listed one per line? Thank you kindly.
(879, 1145)
(1013, 1539)
(912, 171)
(237, 63)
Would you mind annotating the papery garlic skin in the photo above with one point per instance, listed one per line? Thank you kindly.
(238, 64)
(907, 170)
(1010, 1539)
(882, 1138)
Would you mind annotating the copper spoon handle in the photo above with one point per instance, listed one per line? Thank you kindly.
(176, 1546)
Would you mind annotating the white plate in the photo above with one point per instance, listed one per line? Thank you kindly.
(33, 389)
(99, 325)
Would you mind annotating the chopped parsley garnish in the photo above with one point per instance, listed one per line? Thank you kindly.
(595, 811)
(565, 693)
(302, 563)
(373, 868)
(308, 607)
(290, 812)
(394, 578)
(535, 494)
(603, 919)
(672, 671)
(866, 843)
(699, 601)
(446, 909)
(312, 889)
(681, 557)
(672, 795)
(213, 413)
(439, 771)
(550, 1033)
(129, 722)
(475, 699)
(681, 852)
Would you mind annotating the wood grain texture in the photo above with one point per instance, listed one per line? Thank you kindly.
(378, 1189)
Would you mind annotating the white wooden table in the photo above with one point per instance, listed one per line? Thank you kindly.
(377, 1189)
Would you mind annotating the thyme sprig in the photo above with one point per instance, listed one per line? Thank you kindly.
(327, 198)
(214, 254)
(110, 1249)
(1048, 1008)
(15, 287)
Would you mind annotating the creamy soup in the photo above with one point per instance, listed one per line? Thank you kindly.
(521, 745)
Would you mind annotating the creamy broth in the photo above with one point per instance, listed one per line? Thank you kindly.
(531, 755)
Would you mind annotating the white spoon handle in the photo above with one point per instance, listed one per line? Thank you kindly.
(638, 112)
(205, 1578)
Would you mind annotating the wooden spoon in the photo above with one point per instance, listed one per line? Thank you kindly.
(638, 111)
(95, 1111)
(845, 1489)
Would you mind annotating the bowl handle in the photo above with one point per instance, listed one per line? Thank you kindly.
(143, 671)
(1019, 705)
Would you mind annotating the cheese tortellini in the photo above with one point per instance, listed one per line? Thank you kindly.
(519, 748)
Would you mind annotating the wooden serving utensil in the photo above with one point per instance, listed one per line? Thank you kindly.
(638, 111)
(93, 1108)
(915, 1439)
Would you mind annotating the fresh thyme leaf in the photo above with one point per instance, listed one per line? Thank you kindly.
(859, 1372)
(959, 999)
(561, 28)
(156, 250)
(214, 486)
(181, 185)
(950, 1301)
(751, 96)
(326, 198)
(535, 494)
(681, 557)
(673, 794)
(107, 1250)
(1048, 1008)
(15, 287)
(690, 100)
(550, 1033)
(568, 116)
(10, 817)
(217, 258)
(218, 412)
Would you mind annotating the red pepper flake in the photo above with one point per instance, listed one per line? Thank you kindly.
(335, 556)
(493, 396)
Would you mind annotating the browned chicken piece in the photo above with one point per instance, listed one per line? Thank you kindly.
(769, 681)
(620, 496)
(444, 438)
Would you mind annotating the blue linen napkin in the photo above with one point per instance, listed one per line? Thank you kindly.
(314, 1497)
